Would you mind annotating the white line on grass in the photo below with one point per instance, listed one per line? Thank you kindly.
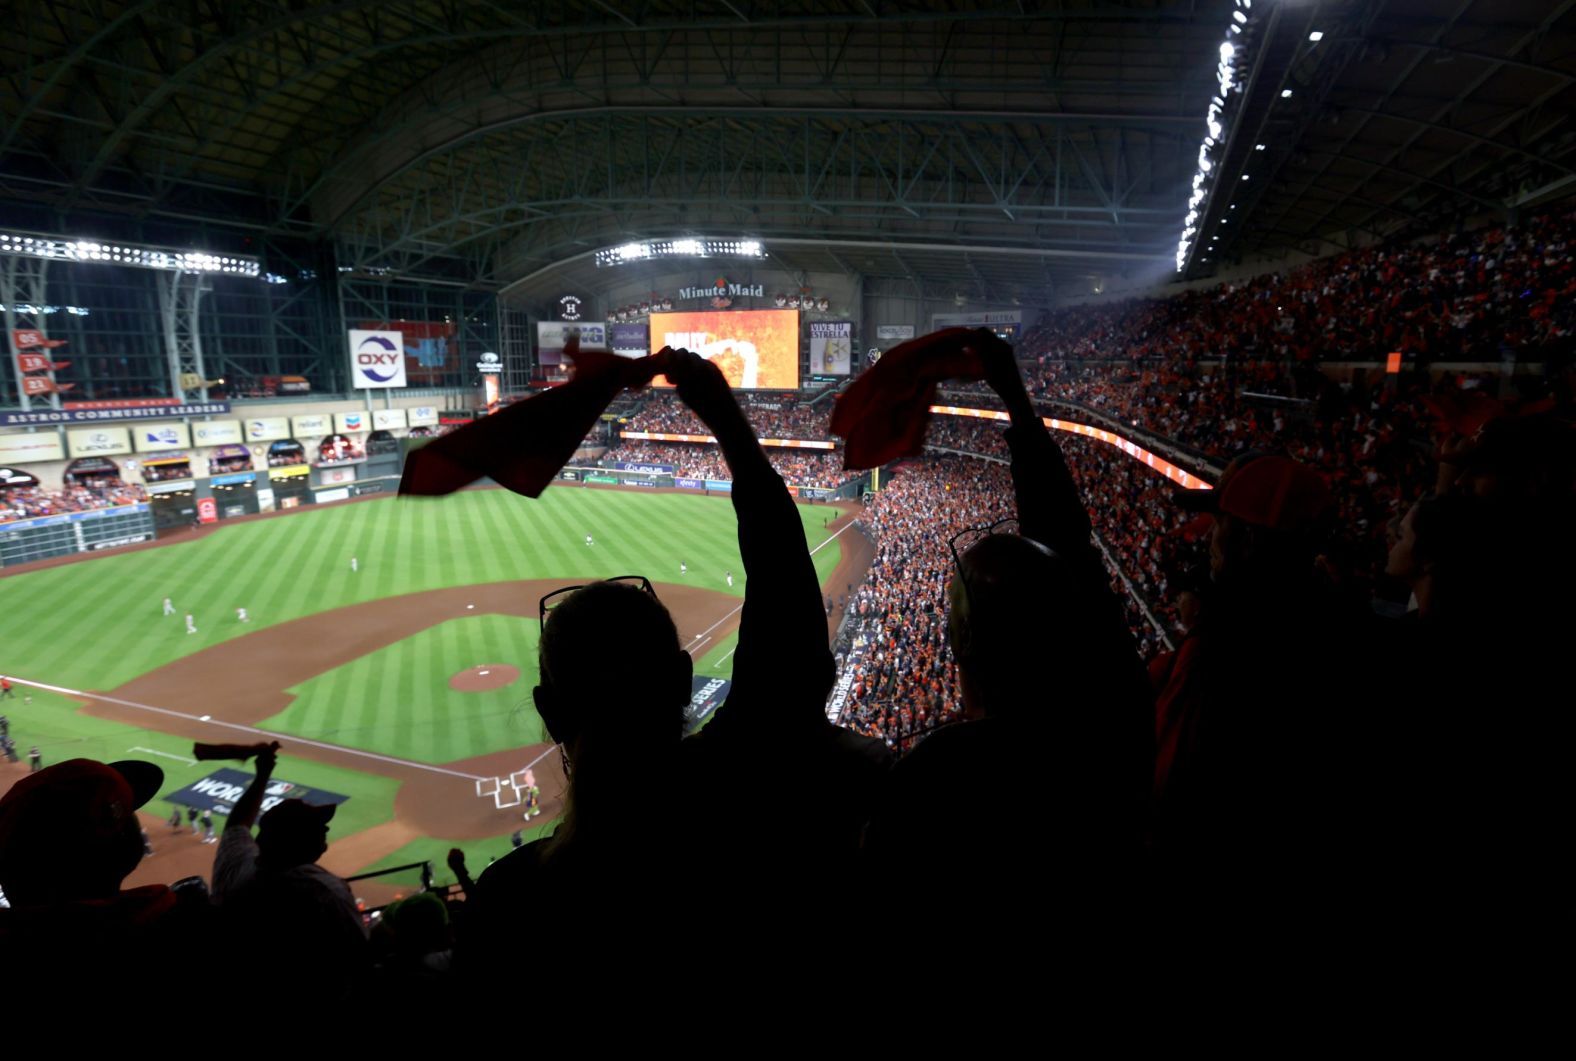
(248, 729)
(738, 607)
(167, 755)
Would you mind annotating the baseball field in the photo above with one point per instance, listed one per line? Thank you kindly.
(403, 684)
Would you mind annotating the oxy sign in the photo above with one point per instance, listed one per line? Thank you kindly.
(377, 358)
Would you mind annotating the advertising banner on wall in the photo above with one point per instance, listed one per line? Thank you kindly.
(216, 432)
(377, 358)
(85, 416)
(422, 416)
(432, 348)
(98, 441)
(312, 425)
(345, 423)
(552, 335)
(268, 428)
(159, 438)
(629, 340)
(980, 319)
(894, 332)
(831, 348)
(387, 419)
(21, 448)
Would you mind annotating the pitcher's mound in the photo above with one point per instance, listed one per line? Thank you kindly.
(486, 676)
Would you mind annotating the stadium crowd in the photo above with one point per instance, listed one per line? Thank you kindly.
(690, 460)
(1306, 773)
(904, 684)
(31, 501)
(773, 417)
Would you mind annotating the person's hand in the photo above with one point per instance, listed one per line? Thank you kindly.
(267, 759)
(702, 387)
(996, 357)
(456, 861)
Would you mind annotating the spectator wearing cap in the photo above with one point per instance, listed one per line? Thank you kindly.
(69, 836)
(1255, 771)
(276, 899)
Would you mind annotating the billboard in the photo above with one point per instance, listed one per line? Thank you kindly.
(312, 425)
(20, 448)
(754, 348)
(387, 419)
(423, 416)
(216, 432)
(629, 340)
(161, 438)
(267, 428)
(83, 416)
(345, 423)
(90, 441)
(377, 358)
(552, 335)
(432, 348)
(831, 348)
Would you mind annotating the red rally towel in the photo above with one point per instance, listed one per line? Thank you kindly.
(883, 414)
(523, 447)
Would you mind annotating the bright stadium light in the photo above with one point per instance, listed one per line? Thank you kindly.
(689, 247)
(27, 245)
(1231, 55)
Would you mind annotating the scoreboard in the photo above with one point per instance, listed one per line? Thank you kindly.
(43, 537)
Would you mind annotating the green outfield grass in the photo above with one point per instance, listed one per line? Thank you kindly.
(97, 624)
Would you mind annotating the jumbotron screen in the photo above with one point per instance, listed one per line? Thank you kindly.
(756, 348)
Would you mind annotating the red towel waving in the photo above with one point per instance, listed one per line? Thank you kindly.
(523, 447)
(883, 414)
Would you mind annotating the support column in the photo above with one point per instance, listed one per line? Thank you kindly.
(180, 306)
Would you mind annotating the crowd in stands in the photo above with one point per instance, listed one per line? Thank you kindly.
(904, 684)
(285, 460)
(163, 473)
(340, 448)
(771, 417)
(1485, 295)
(798, 467)
(31, 501)
(226, 465)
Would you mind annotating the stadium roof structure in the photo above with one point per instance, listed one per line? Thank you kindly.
(957, 145)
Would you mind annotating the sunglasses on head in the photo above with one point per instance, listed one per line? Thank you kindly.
(558, 596)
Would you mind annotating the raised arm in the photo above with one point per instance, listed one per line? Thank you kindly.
(245, 813)
(1049, 508)
(783, 664)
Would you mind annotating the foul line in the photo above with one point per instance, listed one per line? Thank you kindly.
(737, 608)
(248, 729)
(167, 755)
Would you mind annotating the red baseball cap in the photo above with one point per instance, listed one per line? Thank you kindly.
(79, 802)
(1264, 489)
